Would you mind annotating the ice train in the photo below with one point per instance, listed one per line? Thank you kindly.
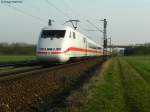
(63, 43)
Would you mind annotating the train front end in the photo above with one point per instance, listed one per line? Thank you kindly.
(50, 45)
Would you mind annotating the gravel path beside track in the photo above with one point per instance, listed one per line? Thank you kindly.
(37, 92)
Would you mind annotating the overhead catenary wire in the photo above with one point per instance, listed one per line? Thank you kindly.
(66, 4)
(59, 10)
(25, 13)
(76, 13)
(62, 12)
(65, 14)
(94, 26)
(79, 15)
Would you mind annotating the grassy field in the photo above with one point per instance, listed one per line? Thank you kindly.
(13, 58)
(123, 85)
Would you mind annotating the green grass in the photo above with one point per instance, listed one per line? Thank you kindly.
(105, 92)
(108, 93)
(122, 86)
(137, 89)
(141, 65)
(9, 58)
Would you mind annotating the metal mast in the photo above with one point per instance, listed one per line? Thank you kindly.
(104, 36)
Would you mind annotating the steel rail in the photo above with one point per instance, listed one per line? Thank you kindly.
(37, 69)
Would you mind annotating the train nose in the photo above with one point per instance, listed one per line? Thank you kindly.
(49, 57)
(50, 50)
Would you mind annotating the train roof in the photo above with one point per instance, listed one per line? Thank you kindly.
(54, 27)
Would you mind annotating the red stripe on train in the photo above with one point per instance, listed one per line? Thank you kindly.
(69, 49)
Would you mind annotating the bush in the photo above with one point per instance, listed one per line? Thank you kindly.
(17, 49)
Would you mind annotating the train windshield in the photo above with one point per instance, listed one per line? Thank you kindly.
(53, 33)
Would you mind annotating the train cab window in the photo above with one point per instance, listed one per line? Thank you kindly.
(53, 33)
(92, 46)
(74, 35)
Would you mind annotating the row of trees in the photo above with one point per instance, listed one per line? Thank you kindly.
(141, 49)
(17, 49)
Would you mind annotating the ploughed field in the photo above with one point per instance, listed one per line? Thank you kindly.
(122, 85)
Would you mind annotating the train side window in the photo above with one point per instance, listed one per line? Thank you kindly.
(99, 47)
(70, 35)
(74, 35)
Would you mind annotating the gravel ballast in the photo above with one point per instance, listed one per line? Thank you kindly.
(39, 92)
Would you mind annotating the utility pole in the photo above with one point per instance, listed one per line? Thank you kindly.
(74, 23)
(104, 31)
(110, 44)
(95, 27)
(104, 36)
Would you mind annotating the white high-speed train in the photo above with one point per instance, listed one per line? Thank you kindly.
(60, 44)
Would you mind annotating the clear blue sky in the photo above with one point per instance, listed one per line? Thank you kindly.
(128, 20)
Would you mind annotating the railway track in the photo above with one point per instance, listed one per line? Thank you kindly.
(18, 64)
(49, 85)
(11, 68)
(16, 71)
(11, 71)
